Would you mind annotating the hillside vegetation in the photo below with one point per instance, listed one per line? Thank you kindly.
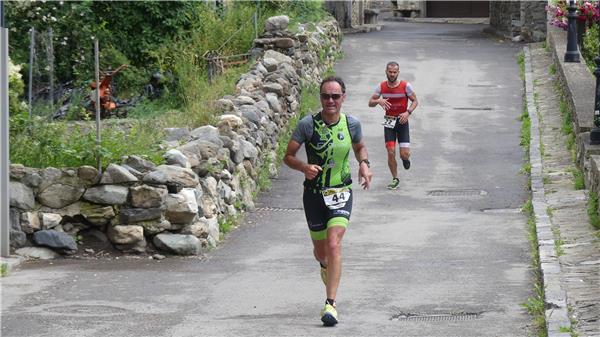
(168, 37)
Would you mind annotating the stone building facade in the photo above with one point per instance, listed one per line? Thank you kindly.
(526, 19)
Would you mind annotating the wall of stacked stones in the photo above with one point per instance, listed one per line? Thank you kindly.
(526, 19)
(209, 173)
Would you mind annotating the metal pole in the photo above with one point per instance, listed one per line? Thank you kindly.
(31, 55)
(572, 54)
(256, 21)
(51, 65)
(4, 181)
(97, 61)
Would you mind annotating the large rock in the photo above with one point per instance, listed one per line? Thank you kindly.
(207, 133)
(138, 163)
(175, 157)
(277, 23)
(17, 238)
(21, 196)
(56, 240)
(172, 175)
(232, 122)
(182, 207)
(116, 174)
(213, 229)
(132, 215)
(60, 195)
(125, 235)
(88, 174)
(41, 253)
(50, 220)
(281, 58)
(273, 87)
(249, 151)
(179, 244)
(107, 194)
(273, 101)
(97, 215)
(198, 228)
(145, 196)
(156, 226)
(30, 222)
(177, 134)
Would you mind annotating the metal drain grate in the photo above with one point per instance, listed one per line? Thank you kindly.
(473, 108)
(85, 310)
(411, 317)
(278, 209)
(502, 210)
(457, 193)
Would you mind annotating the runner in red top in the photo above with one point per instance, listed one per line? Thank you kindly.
(393, 96)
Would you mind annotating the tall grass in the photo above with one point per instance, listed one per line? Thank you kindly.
(60, 144)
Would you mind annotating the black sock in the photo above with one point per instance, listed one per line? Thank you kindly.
(330, 301)
(322, 266)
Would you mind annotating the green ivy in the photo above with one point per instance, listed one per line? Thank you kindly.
(590, 47)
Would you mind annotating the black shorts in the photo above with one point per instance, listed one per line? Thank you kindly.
(319, 216)
(399, 133)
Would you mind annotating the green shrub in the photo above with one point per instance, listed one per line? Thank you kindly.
(590, 47)
(36, 143)
(15, 90)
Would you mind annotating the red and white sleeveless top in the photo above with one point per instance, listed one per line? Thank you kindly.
(397, 97)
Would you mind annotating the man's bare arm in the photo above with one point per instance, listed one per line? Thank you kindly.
(310, 171)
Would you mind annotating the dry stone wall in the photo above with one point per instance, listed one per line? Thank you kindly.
(209, 173)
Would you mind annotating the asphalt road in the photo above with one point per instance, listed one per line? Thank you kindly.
(445, 255)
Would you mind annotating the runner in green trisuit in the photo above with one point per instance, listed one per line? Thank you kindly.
(328, 137)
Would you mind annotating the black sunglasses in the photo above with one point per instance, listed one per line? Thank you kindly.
(326, 97)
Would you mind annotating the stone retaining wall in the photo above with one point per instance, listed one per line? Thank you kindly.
(209, 173)
(579, 86)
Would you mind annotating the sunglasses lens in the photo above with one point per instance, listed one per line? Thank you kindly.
(326, 97)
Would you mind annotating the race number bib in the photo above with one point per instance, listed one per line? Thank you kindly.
(389, 122)
(336, 198)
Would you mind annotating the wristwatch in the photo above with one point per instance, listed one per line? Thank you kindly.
(365, 161)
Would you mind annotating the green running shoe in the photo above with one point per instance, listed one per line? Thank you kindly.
(324, 275)
(329, 315)
(394, 185)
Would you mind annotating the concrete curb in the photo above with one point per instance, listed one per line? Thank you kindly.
(467, 21)
(366, 28)
(555, 297)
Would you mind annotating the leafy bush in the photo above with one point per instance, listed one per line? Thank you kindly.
(15, 89)
(148, 36)
(590, 47)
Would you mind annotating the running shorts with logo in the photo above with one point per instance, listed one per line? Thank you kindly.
(320, 217)
(399, 133)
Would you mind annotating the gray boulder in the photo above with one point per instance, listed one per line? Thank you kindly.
(179, 244)
(21, 196)
(107, 194)
(56, 240)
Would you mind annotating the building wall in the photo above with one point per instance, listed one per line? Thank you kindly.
(533, 20)
(524, 18)
(502, 14)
